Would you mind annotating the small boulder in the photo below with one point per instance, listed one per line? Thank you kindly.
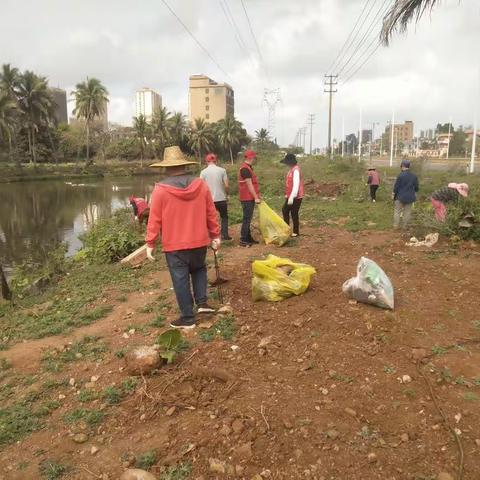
(216, 466)
(137, 474)
(226, 309)
(142, 360)
(80, 438)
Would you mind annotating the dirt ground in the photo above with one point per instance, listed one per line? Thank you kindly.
(334, 394)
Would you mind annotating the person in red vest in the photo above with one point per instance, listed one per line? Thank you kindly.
(141, 210)
(373, 181)
(293, 193)
(249, 193)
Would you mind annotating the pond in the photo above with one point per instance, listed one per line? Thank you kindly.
(37, 216)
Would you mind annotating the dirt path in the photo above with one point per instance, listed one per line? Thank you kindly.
(334, 394)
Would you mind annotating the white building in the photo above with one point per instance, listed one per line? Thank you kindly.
(147, 102)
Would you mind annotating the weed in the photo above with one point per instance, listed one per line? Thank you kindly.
(129, 385)
(446, 374)
(461, 381)
(4, 364)
(343, 378)
(22, 466)
(476, 324)
(90, 417)
(94, 314)
(389, 369)
(410, 393)
(178, 472)
(51, 470)
(122, 298)
(121, 353)
(87, 396)
(112, 395)
(158, 321)
(471, 397)
(17, 421)
(47, 408)
(438, 350)
(439, 327)
(146, 460)
(225, 328)
(476, 381)
(147, 308)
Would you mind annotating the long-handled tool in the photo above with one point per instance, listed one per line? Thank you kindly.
(219, 281)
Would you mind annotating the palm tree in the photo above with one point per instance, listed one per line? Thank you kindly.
(178, 128)
(9, 80)
(262, 136)
(8, 107)
(401, 13)
(230, 133)
(142, 129)
(91, 99)
(202, 137)
(35, 103)
(160, 130)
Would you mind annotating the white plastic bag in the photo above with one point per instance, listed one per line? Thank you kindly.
(371, 285)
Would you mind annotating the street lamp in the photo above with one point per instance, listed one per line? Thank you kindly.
(371, 140)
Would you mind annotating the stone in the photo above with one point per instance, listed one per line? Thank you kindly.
(170, 411)
(351, 412)
(477, 441)
(404, 437)
(406, 378)
(80, 438)
(265, 341)
(444, 476)
(216, 466)
(205, 325)
(94, 378)
(372, 457)
(142, 360)
(244, 451)
(238, 426)
(94, 450)
(61, 396)
(137, 474)
(418, 354)
(226, 309)
(71, 382)
(225, 430)
(332, 434)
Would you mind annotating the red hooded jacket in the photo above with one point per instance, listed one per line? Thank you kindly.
(183, 212)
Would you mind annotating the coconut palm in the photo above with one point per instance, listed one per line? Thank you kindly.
(142, 130)
(91, 99)
(178, 128)
(230, 133)
(8, 108)
(9, 80)
(401, 13)
(262, 136)
(202, 137)
(35, 104)
(160, 130)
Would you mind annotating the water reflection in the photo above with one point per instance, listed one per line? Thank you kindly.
(37, 216)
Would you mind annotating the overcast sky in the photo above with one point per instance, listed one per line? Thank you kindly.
(427, 75)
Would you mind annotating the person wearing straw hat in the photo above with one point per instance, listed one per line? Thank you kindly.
(183, 213)
(448, 194)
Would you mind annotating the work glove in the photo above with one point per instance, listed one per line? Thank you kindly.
(290, 201)
(216, 244)
(150, 254)
(258, 200)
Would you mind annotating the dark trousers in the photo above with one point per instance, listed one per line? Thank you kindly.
(183, 265)
(292, 210)
(222, 209)
(373, 192)
(248, 206)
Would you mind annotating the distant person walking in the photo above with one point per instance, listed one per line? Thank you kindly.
(373, 181)
(293, 193)
(249, 192)
(183, 213)
(217, 181)
(404, 195)
(449, 194)
(141, 210)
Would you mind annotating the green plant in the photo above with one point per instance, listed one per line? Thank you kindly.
(476, 324)
(51, 470)
(389, 369)
(439, 350)
(112, 395)
(225, 328)
(169, 341)
(17, 421)
(129, 385)
(410, 393)
(87, 395)
(90, 417)
(158, 321)
(146, 460)
(121, 353)
(177, 472)
(471, 397)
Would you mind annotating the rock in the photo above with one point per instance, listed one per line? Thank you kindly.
(226, 309)
(351, 412)
(238, 426)
(244, 451)
(80, 438)
(372, 457)
(265, 341)
(94, 450)
(225, 430)
(94, 378)
(234, 348)
(404, 437)
(170, 411)
(205, 325)
(142, 360)
(332, 434)
(61, 396)
(444, 476)
(418, 354)
(216, 466)
(71, 382)
(477, 441)
(89, 385)
(406, 378)
(137, 474)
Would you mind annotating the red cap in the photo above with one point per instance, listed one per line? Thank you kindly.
(249, 154)
(210, 157)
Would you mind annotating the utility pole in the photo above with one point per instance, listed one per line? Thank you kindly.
(343, 137)
(448, 145)
(271, 98)
(304, 130)
(360, 138)
(330, 81)
(311, 118)
(392, 128)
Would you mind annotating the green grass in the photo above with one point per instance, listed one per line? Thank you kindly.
(471, 397)
(177, 472)
(389, 369)
(439, 350)
(52, 470)
(17, 421)
(112, 395)
(87, 395)
(146, 460)
(90, 417)
(158, 321)
(225, 328)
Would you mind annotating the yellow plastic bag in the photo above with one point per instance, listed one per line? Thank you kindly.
(272, 227)
(277, 278)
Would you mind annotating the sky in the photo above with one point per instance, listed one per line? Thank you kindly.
(428, 75)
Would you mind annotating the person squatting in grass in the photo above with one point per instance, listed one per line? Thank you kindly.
(141, 210)
(293, 193)
(183, 213)
(448, 194)
(373, 181)
(217, 180)
(249, 193)
(404, 195)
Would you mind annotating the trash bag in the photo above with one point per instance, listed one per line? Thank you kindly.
(371, 285)
(277, 278)
(272, 227)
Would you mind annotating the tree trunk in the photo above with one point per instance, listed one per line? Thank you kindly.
(34, 149)
(231, 155)
(10, 152)
(5, 290)
(29, 137)
(87, 127)
(54, 150)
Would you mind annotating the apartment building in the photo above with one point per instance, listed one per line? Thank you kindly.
(147, 102)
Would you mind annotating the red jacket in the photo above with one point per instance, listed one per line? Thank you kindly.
(289, 182)
(184, 215)
(373, 178)
(243, 190)
(140, 203)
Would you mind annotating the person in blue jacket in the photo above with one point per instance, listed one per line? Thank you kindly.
(404, 195)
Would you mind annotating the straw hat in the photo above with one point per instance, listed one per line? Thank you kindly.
(173, 157)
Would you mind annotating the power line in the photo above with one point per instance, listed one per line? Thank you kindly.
(349, 73)
(349, 36)
(230, 20)
(195, 38)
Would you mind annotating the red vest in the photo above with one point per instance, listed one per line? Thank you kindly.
(243, 190)
(289, 182)
(141, 205)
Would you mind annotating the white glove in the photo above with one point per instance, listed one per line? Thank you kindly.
(216, 243)
(290, 201)
(150, 254)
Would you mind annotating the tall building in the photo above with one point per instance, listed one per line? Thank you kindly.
(100, 122)
(209, 100)
(147, 102)
(60, 100)
(402, 133)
